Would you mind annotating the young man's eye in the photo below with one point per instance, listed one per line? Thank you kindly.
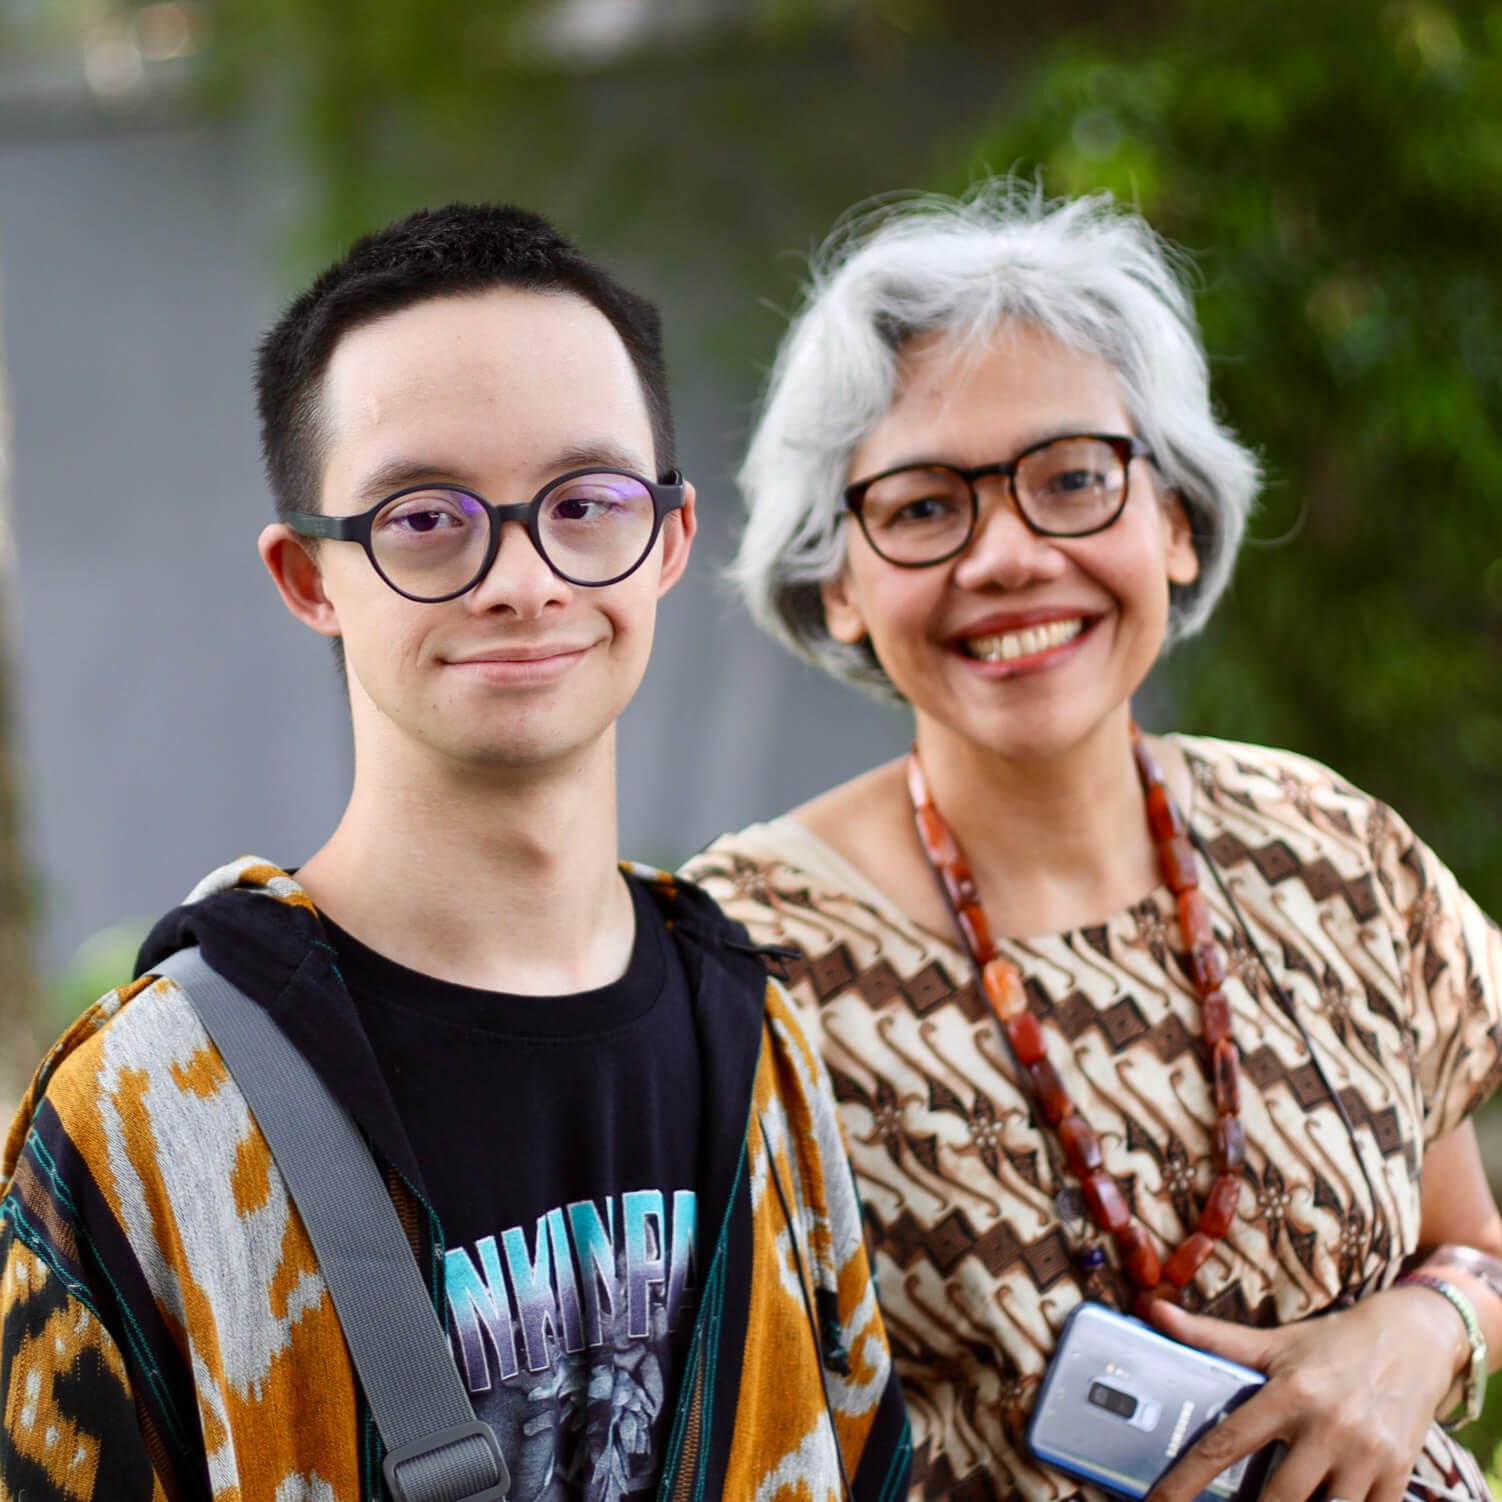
(601, 498)
(579, 508)
(421, 515)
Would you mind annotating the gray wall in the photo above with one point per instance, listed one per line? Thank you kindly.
(173, 715)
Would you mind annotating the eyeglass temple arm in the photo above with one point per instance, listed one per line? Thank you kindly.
(672, 492)
(316, 524)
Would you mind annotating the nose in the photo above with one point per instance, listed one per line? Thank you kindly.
(1004, 550)
(519, 581)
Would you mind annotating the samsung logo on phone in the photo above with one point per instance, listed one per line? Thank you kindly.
(1181, 1428)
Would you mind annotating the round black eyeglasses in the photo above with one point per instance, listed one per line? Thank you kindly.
(922, 514)
(592, 527)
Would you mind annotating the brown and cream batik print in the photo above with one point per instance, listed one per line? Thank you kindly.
(1395, 973)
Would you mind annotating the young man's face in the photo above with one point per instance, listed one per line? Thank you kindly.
(499, 392)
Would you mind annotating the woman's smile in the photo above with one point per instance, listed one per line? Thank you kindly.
(1015, 606)
(1022, 646)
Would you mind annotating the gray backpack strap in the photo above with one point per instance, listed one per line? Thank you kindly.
(436, 1449)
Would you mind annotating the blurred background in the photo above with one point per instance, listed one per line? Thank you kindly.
(171, 172)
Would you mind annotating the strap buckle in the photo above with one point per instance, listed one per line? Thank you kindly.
(462, 1463)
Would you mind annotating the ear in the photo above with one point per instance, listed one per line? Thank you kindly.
(1179, 551)
(297, 577)
(678, 529)
(842, 612)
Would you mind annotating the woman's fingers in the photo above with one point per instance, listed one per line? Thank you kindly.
(1240, 1343)
(1241, 1433)
(1351, 1394)
(1304, 1469)
(1391, 1486)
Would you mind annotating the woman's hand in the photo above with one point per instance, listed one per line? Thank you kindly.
(1351, 1394)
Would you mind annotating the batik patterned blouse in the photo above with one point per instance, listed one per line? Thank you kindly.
(1394, 971)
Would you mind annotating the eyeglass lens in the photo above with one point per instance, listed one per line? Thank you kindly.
(592, 528)
(1065, 488)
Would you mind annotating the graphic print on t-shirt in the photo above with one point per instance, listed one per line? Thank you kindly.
(564, 1336)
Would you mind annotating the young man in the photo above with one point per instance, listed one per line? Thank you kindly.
(614, 1153)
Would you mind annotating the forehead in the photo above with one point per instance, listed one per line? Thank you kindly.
(487, 381)
(958, 397)
(1018, 362)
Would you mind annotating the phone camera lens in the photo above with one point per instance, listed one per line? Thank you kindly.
(1113, 1400)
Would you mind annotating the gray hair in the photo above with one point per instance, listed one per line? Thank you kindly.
(1089, 272)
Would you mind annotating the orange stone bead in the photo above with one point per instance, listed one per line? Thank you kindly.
(1194, 918)
(1192, 1254)
(1139, 1257)
(936, 836)
(1002, 982)
(1081, 1145)
(1227, 1071)
(1027, 1038)
(1049, 1088)
(960, 884)
(1107, 1203)
(917, 783)
(1220, 1206)
(976, 932)
(1207, 966)
(1177, 862)
(1230, 1145)
(1147, 768)
(1216, 1012)
(1163, 816)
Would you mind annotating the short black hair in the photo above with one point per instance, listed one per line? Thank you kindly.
(445, 252)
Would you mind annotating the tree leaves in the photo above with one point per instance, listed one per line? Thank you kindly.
(1334, 170)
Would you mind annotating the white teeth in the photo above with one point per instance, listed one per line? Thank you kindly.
(1024, 643)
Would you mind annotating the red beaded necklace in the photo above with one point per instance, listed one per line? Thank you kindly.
(1001, 982)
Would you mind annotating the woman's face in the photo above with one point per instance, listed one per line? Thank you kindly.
(1022, 644)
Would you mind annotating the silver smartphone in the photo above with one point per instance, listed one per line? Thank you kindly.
(1120, 1402)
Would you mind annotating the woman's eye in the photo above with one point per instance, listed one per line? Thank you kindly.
(924, 509)
(1070, 481)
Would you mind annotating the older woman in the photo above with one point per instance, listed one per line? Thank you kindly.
(1184, 1026)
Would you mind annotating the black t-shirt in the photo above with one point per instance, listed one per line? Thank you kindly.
(557, 1138)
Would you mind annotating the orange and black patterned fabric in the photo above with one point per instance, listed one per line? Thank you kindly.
(1395, 972)
(165, 1331)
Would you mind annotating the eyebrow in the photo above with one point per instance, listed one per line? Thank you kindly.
(1040, 435)
(405, 470)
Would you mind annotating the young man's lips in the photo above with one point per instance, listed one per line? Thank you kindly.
(532, 664)
(540, 653)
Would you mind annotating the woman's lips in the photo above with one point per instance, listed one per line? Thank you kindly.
(1022, 642)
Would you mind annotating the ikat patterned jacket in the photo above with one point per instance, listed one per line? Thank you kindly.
(982, 1243)
(167, 1334)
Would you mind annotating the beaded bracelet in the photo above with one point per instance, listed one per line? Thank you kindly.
(1467, 1259)
(1474, 1390)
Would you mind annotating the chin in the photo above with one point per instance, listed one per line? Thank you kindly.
(513, 754)
(1022, 733)
(531, 749)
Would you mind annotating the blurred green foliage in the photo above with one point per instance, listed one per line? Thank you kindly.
(1334, 166)
(1336, 169)
(98, 965)
(630, 123)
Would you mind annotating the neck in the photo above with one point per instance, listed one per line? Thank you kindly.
(1053, 841)
(500, 878)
